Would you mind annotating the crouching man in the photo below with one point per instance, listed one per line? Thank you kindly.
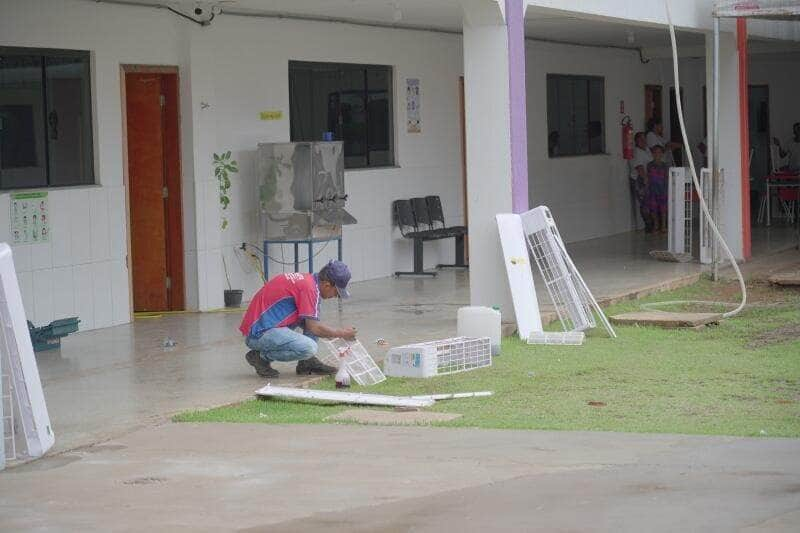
(288, 302)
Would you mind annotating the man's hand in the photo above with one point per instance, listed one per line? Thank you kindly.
(348, 334)
(322, 330)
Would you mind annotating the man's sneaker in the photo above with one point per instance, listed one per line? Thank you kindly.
(263, 368)
(315, 366)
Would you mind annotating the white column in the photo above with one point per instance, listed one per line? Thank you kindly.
(210, 275)
(487, 110)
(729, 141)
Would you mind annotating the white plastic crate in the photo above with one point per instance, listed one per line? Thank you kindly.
(568, 338)
(354, 356)
(569, 293)
(446, 356)
(680, 210)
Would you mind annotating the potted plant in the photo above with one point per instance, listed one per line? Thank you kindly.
(224, 166)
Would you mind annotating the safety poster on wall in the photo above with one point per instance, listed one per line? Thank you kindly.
(412, 106)
(30, 218)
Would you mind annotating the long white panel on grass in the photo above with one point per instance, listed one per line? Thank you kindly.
(31, 422)
(520, 275)
(354, 398)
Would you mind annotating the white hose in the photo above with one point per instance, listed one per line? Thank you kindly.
(703, 205)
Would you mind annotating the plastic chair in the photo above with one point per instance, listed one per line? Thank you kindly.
(436, 214)
(404, 217)
(788, 198)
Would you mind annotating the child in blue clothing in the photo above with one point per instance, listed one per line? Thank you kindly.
(657, 172)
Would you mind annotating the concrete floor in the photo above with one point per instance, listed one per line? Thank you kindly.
(104, 383)
(208, 477)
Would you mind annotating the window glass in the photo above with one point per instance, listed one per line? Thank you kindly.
(23, 160)
(353, 102)
(596, 116)
(575, 115)
(379, 116)
(353, 117)
(69, 122)
(45, 118)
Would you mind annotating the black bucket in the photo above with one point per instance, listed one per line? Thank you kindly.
(233, 298)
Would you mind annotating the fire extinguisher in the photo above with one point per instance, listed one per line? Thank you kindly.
(627, 137)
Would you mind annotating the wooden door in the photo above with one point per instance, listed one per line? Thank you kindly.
(652, 103)
(675, 125)
(154, 193)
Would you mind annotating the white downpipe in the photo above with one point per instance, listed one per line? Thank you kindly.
(715, 154)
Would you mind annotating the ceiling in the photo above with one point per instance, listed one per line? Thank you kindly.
(595, 32)
(434, 14)
(445, 15)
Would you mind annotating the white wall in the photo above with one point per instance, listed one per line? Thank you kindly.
(589, 194)
(249, 59)
(239, 66)
(82, 270)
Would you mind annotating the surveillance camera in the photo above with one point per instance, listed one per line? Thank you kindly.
(203, 12)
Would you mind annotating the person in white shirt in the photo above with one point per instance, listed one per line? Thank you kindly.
(792, 150)
(638, 177)
(655, 137)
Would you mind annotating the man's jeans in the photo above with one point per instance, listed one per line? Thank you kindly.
(284, 344)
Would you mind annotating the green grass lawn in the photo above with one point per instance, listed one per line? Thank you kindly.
(739, 378)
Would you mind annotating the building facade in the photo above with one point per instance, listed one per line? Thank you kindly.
(484, 149)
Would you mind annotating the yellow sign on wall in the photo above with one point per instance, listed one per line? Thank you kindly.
(271, 115)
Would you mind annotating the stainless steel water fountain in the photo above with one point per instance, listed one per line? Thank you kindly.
(301, 191)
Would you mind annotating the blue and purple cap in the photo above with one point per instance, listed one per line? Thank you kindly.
(339, 274)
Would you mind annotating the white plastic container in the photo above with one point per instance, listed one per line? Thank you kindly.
(436, 358)
(480, 322)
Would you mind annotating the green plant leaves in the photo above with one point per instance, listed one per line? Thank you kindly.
(223, 166)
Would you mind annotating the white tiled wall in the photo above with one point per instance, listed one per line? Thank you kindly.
(247, 80)
(81, 271)
(589, 195)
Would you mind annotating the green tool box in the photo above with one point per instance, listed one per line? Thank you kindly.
(49, 337)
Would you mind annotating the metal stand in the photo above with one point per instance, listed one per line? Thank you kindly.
(460, 239)
(418, 254)
(418, 271)
(297, 242)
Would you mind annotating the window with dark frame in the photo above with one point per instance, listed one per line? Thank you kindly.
(575, 115)
(353, 102)
(46, 135)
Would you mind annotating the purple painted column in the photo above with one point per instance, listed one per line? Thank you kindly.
(515, 24)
